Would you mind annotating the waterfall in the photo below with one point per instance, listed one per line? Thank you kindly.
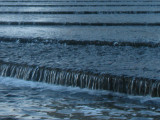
(82, 79)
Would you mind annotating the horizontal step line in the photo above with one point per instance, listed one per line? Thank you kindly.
(78, 24)
(76, 5)
(79, 1)
(80, 12)
(77, 42)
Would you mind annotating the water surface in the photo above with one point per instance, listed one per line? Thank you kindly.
(26, 100)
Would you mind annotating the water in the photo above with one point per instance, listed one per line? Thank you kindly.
(32, 100)
(85, 33)
(130, 8)
(83, 17)
(79, 60)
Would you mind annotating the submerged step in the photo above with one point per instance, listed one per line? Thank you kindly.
(78, 42)
(79, 12)
(79, 24)
(118, 5)
(117, 1)
(81, 3)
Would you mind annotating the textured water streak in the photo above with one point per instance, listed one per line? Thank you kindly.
(79, 12)
(117, 1)
(109, 5)
(78, 24)
(82, 79)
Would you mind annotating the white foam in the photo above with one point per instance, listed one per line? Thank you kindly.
(44, 86)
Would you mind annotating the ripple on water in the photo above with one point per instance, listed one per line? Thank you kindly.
(26, 100)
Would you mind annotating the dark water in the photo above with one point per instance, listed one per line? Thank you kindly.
(80, 60)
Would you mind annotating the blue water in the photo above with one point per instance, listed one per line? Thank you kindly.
(26, 100)
(79, 42)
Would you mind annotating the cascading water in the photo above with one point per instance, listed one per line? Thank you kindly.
(83, 59)
(122, 84)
